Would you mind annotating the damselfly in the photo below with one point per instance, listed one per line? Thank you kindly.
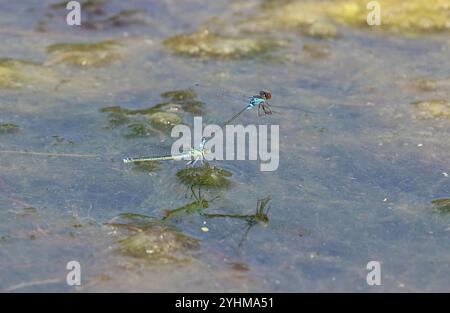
(262, 101)
(193, 155)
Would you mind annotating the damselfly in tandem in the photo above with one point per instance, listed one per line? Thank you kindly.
(262, 101)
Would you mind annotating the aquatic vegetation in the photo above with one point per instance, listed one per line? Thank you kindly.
(85, 54)
(205, 176)
(180, 95)
(160, 117)
(119, 110)
(158, 244)
(184, 99)
(308, 18)
(151, 240)
(322, 30)
(121, 19)
(424, 84)
(165, 120)
(441, 205)
(437, 108)
(398, 16)
(7, 128)
(117, 119)
(138, 125)
(316, 50)
(317, 18)
(207, 45)
(147, 167)
(139, 129)
(17, 73)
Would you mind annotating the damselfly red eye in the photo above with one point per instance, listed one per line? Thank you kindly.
(264, 94)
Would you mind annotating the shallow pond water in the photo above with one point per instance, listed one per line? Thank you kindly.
(364, 172)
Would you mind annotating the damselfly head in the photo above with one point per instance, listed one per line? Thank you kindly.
(265, 94)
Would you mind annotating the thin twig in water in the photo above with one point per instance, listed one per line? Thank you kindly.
(70, 155)
(34, 283)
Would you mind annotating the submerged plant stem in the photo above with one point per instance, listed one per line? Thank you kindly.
(70, 155)
(34, 283)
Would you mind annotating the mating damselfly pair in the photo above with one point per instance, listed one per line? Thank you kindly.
(259, 101)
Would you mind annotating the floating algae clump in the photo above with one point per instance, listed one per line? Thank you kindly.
(7, 128)
(397, 15)
(309, 18)
(157, 118)
(147, 167)
(424, 84)
(139, 129)
(149, 239)
(84, 54)
(17, 74)
(206, 176)
(183, 99)
(316, 18)
(441, 205)
(159, 245)
(208, 45)
(437, 108)
(164, 120)
(322, 30)
(180, 95)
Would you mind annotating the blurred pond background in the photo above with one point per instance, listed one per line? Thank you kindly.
(364, 146)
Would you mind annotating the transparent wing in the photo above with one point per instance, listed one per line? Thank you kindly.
(276, 108)
(223, 93)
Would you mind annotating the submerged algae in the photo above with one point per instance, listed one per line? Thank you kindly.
(436, 108)
(204, 44)
(157, 118)
(149, 239)
(165, 120)
(441, 205)
(18, 73)
(85, 54)
(205, 176)
(415, 16)
(412, 16)
(7, 128)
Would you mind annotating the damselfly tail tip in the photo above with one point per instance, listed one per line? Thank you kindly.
(127, 160)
